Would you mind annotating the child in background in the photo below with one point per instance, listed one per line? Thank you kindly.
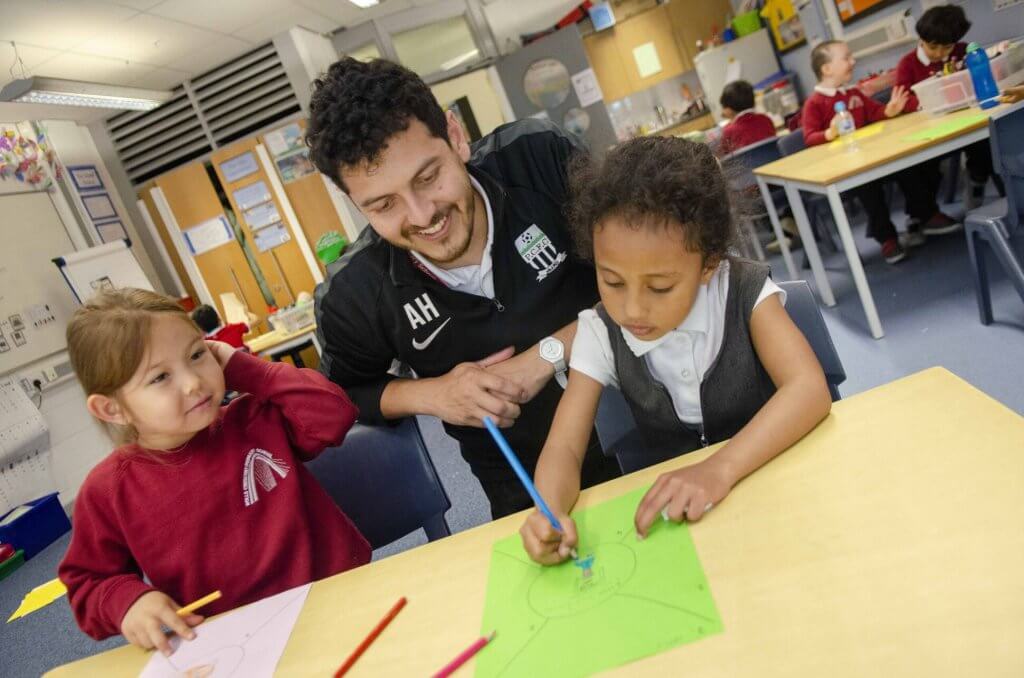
(746, 126)
(199, 497)
(939, 31)
(833, 66)
(205, 316)
(697, 340)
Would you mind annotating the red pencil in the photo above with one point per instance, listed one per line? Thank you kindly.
(370, 638)
(465, 656)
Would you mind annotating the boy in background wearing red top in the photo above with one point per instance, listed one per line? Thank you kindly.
(746, 126)
(833, 66)
(198, 497)
(205, 316)
(940, 30)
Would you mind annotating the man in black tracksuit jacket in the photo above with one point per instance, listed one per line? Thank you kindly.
(381, 302)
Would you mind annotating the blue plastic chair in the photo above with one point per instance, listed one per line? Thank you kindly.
(616, 427)
(1002, 221)
(805, 313)
(384, 480)
(745, 160)
(819, 212)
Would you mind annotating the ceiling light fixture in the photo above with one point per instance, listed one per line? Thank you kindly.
(40, 90)
(363, 4)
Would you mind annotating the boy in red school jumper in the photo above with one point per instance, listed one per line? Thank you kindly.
(746, 125)
(205, 316)
(939, 31)
(833, 65)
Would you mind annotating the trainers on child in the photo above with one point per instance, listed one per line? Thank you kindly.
(913, 237)
(893, 252)
(940, 224)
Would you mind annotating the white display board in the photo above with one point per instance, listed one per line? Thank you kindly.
(107, 266)
(35, 304)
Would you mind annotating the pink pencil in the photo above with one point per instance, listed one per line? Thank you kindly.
(465, 656)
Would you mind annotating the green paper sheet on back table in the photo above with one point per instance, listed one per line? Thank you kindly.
(644, 597)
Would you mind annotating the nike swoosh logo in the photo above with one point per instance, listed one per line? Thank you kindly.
(420, 345)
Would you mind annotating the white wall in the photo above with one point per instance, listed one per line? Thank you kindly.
(74, 145)
(509, 18)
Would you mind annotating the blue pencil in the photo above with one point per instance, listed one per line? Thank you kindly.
(524, 477)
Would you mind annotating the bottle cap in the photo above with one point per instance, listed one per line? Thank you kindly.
(839, 107)
(972, 47)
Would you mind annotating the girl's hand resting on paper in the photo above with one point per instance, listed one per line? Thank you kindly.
(544, 543)
(143, 623)
(686, 494)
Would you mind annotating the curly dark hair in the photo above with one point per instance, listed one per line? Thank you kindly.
(942, 25)
(654, 182)
(357, 106)
(737, 95)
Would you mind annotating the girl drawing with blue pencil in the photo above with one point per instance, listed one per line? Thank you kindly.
(697, 340)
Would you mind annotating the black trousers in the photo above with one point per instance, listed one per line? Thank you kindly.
(918, 192)
(507, 495)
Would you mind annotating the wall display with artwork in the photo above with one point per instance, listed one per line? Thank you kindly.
(547, 83)
(251, 195)
(85, 178)
(784, 23)
(239, 166)
(99, 206)
(208, 235)
(112, 230)
(852, 10)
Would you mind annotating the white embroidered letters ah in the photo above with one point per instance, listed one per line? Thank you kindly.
(425, 313)
(259, 468)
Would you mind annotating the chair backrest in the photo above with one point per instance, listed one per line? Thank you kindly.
(750, 158)
(792, 143)
(383, 479)
(1006, 137)
(806, 315)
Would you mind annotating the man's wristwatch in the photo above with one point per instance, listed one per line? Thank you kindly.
(553, 351)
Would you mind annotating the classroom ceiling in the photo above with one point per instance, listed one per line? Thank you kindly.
(157, 44)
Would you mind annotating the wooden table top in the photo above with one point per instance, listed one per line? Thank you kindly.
(269, 340)
(878, 144)
(889, 541)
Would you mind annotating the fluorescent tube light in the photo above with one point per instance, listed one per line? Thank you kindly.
(40, 90)
(363, 4)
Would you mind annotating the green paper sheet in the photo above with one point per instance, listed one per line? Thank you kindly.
(644, 597)
(946, 128)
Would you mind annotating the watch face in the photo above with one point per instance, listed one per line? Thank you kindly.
(551, 350)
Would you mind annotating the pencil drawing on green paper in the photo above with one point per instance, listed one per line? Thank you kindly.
(643, 597)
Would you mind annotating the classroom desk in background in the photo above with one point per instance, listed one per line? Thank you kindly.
(887, 542)
(884, 148)
(278, 343)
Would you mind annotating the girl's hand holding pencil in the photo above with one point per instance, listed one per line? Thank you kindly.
(544, 543)
(143, 624)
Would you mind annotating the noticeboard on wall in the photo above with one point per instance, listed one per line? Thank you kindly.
(852, 10)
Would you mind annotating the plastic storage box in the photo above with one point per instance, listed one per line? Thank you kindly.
(947, 93)
(37, 528)
(1008, 67)
(293, 318)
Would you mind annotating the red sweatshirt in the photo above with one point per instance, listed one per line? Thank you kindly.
(748, 127)
(230, 334)
(911, 70)
(234, 510)
(819, 109)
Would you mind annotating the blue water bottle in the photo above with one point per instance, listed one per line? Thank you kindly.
(985, 89)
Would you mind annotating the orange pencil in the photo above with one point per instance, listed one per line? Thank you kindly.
(370, 638)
